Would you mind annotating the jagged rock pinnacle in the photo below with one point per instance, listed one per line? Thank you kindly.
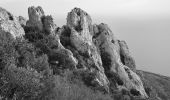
(22, 21)
(109, 48)
(49, 25)
(35, 17)
(81, 27)
(125, 55)
(38, 19)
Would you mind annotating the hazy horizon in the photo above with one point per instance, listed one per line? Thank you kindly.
(143, 24)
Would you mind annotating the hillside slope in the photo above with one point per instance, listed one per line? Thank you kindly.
(158, 86)
(78, 61)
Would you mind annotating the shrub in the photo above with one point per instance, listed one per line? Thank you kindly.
(7, 50)
(21, 82)
(62, 89)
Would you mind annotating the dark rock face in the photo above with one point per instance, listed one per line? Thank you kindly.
(38, 19)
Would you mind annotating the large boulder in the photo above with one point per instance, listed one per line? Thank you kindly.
(81, 28)
(110, 53)
(35, 17)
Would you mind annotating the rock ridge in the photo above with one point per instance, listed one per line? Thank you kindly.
(79, 45)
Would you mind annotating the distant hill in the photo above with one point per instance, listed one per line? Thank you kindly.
(159, 85)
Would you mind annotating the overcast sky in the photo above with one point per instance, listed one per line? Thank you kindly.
(143, 24)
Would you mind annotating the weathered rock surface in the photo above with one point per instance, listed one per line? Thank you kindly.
(125, 55)
(9, 24)
(35, 17)
(22, 21)
(62, 56)
(80, 24)
(49, 25)
(109, 48)
(38, 19)
(12, 27)
(5, 15)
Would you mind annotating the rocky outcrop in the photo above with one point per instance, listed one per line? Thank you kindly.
(110, 53)
(49, 25)
(12, 27)
(108, 56)
(61, 56)
(22, 21)
(81, 28)
(125, 56)
(35, 17)
(80, 24)
(5, 15)
(38, 19)
(9, 24)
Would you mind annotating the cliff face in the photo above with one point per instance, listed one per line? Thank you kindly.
(105, 52)
(80, 25)
(86, 48)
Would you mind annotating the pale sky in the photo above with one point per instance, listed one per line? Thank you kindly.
(143, 24)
